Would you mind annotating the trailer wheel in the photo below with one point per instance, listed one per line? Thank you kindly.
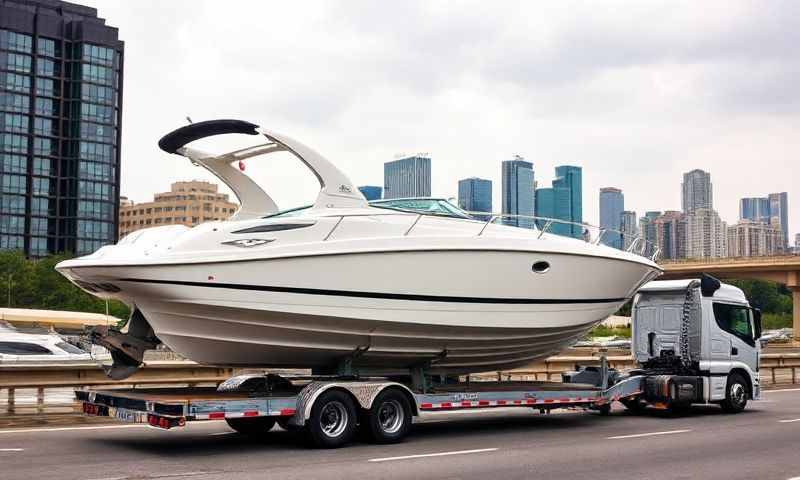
(333, 420)
(389, 419)
(735, 394)
(251, 426)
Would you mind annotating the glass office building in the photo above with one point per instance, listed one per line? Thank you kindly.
(408, 177)
(517, 192)
(60, 112)
(371, 192)
(475, 194)
(612, 204)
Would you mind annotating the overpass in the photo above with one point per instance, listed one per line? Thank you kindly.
(781, 269)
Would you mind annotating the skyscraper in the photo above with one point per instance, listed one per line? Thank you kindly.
(612, 204)
(554, 203)
(670, 233)
(475, 194)
(779, 214)
(706, 234)
(517, 191)
(697, 191)
(407, 177)
(60, 120)
(648, 231)
(630, 230)
(754, 208)
(571, 178)
(750, 238)
(371, 192)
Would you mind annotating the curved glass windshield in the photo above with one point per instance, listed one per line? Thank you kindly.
(429, 206)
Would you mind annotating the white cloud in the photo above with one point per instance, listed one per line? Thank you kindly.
(635, 92)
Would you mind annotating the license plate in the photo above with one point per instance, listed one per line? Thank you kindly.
(131, 416)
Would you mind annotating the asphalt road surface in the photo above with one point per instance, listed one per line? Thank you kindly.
(761, 443)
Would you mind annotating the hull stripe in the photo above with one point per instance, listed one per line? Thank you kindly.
(381, 295)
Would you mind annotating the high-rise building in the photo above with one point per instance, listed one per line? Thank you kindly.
(371, 192)
(554, 203)
(754, 208)
(697, 191)
(517, 191)
(648, 232)
(779, 214)
(186, 203)
(706, 234)
(60, 120)
(749, 238)
(612, 204)
(797, 243)
(475, 194)
(630, 231)
(407, 177)
(571, 178)
(772, 209)
(670, 233)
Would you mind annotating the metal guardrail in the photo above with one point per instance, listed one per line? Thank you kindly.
(776, 368)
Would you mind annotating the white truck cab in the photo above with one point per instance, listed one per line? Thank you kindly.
(700, 336)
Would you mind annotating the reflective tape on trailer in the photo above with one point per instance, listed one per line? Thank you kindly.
(504, 403)
(286, 412)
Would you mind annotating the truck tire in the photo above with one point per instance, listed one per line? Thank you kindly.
(736, 394)
(333, 420)
(251, 426)
(389, 419)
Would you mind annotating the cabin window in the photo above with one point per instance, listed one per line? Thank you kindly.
(23, 348)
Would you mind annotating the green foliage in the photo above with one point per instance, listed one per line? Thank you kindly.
(625, 310)
(36, 284)
(773, 321)
(770, 297)
(604, 331)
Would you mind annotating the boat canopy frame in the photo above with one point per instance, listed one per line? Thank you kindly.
(336, 189)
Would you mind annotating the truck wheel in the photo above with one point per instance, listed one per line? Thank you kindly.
(333, 420)
(735, 394)
(389, 419)
(251, 426)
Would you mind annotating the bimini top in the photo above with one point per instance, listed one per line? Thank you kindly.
(336, 189)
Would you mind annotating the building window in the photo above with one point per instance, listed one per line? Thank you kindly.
(98, 94)
(15, 82)
(14, 184)
(100, 210)
(41, 166)
(14, 103)
(43, 126)
(15, 62)
(13, 163)
(46, 46)
(48, 68)
(14, 123)
(46, 86)
(41, 186)
(12, 204)
(96, 151)
(11, 242)
(39, 247)
(40, 206)
(96, 132)
(18, 42)
(97, 113)
(93, 229)
(13, 143)
(38, 226)
(12, 224)
(45, 106)
(43, 146)
(97, 74)
(98, 54)
(96, 171)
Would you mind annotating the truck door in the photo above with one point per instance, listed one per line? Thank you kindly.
(736, 323)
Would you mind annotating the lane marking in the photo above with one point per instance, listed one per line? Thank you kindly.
(157, 475)
(64, 429)
(220, 433)
(638, 435)
(789, 421)
(438, 454)
(12, 449)
(782, 390)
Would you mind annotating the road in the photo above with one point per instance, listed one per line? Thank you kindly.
(761, 443)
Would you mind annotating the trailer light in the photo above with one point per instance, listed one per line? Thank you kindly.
(163, 422)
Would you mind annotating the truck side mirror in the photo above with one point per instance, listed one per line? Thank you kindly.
(757, 323)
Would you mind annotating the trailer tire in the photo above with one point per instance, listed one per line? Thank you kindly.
(736, 394)
(333, 419)
(251, 426)
(389, 419)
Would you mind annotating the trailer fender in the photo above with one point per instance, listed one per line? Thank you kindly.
(364, 393)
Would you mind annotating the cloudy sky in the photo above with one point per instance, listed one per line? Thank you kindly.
(634, 92)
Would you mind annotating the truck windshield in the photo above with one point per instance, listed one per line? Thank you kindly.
(736, 320)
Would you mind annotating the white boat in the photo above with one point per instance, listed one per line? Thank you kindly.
(383, 287)
(22, 347)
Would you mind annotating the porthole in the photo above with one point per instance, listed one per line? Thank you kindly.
(541, 266)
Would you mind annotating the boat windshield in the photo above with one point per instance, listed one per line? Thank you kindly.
(428, 206)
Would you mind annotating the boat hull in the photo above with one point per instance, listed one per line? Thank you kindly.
(453, 311)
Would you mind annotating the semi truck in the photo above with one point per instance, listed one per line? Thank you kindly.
(693, 342)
